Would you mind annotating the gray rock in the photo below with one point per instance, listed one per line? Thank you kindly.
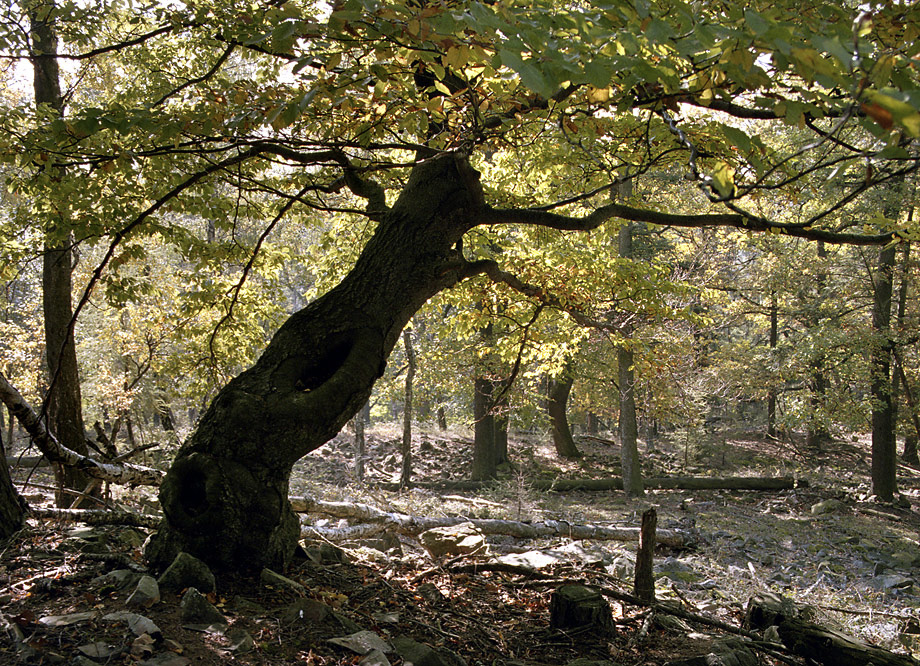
(305, 610)
(166, 659)
(420, 654)
(119, 579)
(891, 582)
(461, 539)
(188, 571)
(239, 640)
(138, 624)
(66, 620)
(362, 642)
(374, 658)
(198, 612)
(827, 506)
(325, 553)
(97, 650)
(145, 595)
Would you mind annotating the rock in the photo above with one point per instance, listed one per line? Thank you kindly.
(305, 610)
(462, 539)
(374, 658)
(239, 640)
(827, 506)
(66, 620)
(80, 660)
(532, 559)
(138, 624)
(325, 554)
(119, 579)
(346, 622)
(198, 613)
(430, 593)
(97, 650)
(245, 606)
(166, 659)
(145, 595)
(582, 661)
(188, 571)
(272, 579)
(676, 570)
(419, 654)
(84, 540)
(362, 642)
(578, 606)
(622, 566)
(891, 582)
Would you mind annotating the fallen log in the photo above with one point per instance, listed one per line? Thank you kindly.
(413, 525)
(97, 517)
(814, 642)
(613, 483)
(125, 473)
(27, 461)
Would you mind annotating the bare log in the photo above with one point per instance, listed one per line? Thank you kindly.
(661, 483)
(412, 525)
(97, 517)
(814, 642)
(27, 461)
(123, 473)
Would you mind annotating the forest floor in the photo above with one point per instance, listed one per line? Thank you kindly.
(854, 561)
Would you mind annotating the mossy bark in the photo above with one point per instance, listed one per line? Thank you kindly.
(225, 496)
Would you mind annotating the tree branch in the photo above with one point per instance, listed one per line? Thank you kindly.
(134, 475)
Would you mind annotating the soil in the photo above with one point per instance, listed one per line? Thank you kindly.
(854, 561)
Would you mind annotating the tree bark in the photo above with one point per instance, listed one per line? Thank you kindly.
(405, 477)
(629, 427)
(63, 403)
(225, 496)
(774, 339)
(884, 451)
(485, 458)
(557, 406)
(13, 508)
(360, 445)
(644, 582)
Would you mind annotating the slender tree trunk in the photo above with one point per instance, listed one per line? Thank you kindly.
(405, 477)
(817, 435)
(557, 406)
(500, 422)
(774, 339)
(629, 427)
(485, 458)
(897, 370)
(63, 405)
(225, 497)
(360, 445)
(442, 418)
(884, 453)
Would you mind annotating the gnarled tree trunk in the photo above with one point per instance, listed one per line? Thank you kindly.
(557, 406)
(225, 496)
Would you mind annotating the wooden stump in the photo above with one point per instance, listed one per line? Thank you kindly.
(644, 585)
(580, 607)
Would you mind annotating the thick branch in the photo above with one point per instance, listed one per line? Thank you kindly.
(135, 475)
(593, 220)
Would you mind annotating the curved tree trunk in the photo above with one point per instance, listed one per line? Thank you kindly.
(225, 496)
(485, 455)
(557, 405)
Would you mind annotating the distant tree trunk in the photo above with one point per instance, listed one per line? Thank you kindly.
(64, 405)
(884, 452)
(910, 455)
(442, 418)
(629, 427)
(557, 406)
(817, 435)
(485, 458)
(774, 339)
(500, 422)
(13, 508)
(360, 445)
(592, 424)
(405, 477)
(898, 370)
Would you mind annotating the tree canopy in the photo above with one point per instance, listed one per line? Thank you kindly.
(440, 137)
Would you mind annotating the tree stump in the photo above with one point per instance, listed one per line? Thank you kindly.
(644, 585)
(580, 607)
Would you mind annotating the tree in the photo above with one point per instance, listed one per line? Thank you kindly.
(13, 507)
(389, 114)
(557, 405)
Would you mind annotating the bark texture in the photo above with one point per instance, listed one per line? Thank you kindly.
(12, 507)
(63, 404)
(225, 496)
(884, 452)
(557, 405)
